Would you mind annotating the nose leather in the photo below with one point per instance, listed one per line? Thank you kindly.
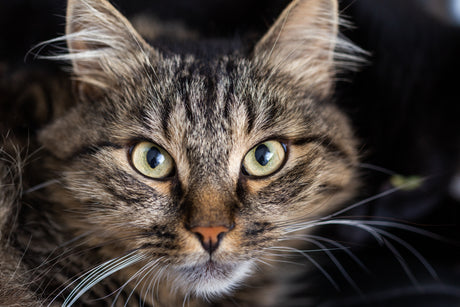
(210, 236)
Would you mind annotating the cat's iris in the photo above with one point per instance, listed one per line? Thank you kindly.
(264, 159)
(151, 160)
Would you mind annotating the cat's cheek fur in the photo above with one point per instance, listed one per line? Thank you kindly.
(189, 268)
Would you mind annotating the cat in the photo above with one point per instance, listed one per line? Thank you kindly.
(184, 172)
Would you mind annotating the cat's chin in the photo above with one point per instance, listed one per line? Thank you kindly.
(212, 279)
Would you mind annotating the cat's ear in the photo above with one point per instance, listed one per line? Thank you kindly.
(103, 46)
(301, 43)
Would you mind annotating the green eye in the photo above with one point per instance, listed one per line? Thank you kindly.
(264, 159)
(151, 160)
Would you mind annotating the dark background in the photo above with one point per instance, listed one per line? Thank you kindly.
(404, 105)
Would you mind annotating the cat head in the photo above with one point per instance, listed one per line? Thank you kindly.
(197, 165)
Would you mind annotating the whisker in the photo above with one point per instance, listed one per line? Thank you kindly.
(352, 223)
(278, 260)
(317, 265)
(381, 236)
(186, 298)
(121, 288)
(362, 202)
(337, 263)
(40, 186)
(287, 248)
(48, 260)
(402, 262)
(156, 283)
(335, 243)
(149, 269)
(416, 253)
(353, 206)
(100, 272)
(146, 292)
(409, 228)
(66, 254)
(263, 260)
(377, 168)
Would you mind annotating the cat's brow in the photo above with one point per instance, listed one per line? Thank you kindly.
(325, 142)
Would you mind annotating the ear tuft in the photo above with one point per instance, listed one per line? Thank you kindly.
(102, 45)
(304, 45)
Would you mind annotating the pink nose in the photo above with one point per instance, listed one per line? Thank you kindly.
(210, 237)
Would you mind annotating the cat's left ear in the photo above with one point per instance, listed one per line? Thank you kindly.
(301, 44)
(103, 45)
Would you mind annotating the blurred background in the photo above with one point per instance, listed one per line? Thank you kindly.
(404, 105)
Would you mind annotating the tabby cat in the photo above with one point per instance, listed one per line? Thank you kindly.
(183, 172)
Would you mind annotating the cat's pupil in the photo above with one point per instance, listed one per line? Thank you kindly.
(155, 157)
(263, 154)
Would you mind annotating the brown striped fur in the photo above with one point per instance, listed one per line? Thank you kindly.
(207, 110)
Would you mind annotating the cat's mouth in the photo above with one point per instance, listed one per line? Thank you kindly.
(209, 270)
(212, 277)
(211, 266)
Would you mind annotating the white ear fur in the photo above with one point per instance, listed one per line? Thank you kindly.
(102, 44)
(303, 44)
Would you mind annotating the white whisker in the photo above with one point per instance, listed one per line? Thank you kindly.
(335, 243)
(353, 206)
(149, 269)
(144, 292)
(337, 263)
(263, 260)
(382, 237)
(377, 168)
(408, 228)
(40, 186)
(100, 272)
(362, 202)
(402, 262)
(411, 249)
(353, 223)
(288, 249)
(317, 265)
(120, 289)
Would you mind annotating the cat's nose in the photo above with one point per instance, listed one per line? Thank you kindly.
(210, 236)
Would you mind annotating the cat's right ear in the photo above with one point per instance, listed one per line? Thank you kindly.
(103, 46)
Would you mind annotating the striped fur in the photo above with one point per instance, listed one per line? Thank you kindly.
(102, 230)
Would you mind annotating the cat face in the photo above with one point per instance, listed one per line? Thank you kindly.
(196, 165)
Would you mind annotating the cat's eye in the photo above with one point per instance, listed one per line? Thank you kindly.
(264, 159)
(151, 160)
